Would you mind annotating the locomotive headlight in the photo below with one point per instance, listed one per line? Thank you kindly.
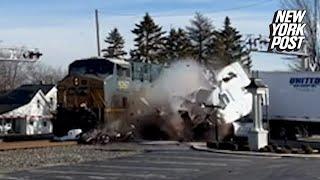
(76, 81)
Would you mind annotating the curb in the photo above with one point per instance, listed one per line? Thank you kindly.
(247, 153)
(160, 143)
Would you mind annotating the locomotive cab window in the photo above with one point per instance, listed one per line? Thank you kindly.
(91, 66)
(123, 71)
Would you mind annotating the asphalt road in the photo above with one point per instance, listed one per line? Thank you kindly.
(180, 164)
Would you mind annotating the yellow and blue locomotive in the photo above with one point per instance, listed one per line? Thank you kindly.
(97, 91)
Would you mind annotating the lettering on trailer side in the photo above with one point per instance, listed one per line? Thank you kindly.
(304, 82)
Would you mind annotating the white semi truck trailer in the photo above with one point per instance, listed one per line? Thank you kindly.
(294, 107)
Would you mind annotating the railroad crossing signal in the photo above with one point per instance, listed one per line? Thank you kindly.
(260, 44)
(19, 54)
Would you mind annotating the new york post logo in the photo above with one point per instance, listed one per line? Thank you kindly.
(287, 30)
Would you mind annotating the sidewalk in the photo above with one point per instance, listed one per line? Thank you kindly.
(203, 147)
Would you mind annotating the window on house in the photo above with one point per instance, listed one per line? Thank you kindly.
(38, 103)
(31, 122)
(44, 123)
(51, 100)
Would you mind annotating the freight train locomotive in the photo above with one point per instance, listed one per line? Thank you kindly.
(97, 90)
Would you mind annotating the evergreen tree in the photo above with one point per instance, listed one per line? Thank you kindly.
(149, 41)
(227, 46)
(200, 34)
(115, 45)
(178, 45)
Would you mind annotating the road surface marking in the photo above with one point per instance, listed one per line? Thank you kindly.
(134, 175)
(192, 158)
(276, 166)
(64, 177)
(11, 178)
(139, 167)
(96, 177)
(213, 155)
(176, 162)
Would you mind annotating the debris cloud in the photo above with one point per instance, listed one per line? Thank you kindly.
(167, 109)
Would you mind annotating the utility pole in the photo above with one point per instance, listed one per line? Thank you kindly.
(316, 61)
(97, 31)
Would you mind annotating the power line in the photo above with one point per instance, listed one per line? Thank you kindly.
(260, 3)
(245, 6)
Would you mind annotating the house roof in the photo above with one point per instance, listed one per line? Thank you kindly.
(45, 88)
(3, 92)
(21, 96)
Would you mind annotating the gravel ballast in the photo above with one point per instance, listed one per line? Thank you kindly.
(13, 160)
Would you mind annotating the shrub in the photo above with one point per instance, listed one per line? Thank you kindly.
(307, 149)
(213, 145)
(228, 146)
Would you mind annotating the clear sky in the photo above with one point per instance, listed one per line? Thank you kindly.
(64, 29)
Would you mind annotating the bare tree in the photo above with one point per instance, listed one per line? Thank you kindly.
(312, 63)
(11, 75)
(45, 74)
(14, 74)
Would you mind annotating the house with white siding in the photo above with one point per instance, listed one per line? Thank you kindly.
(28, 109)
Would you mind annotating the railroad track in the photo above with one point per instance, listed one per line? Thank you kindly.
(4, 146)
